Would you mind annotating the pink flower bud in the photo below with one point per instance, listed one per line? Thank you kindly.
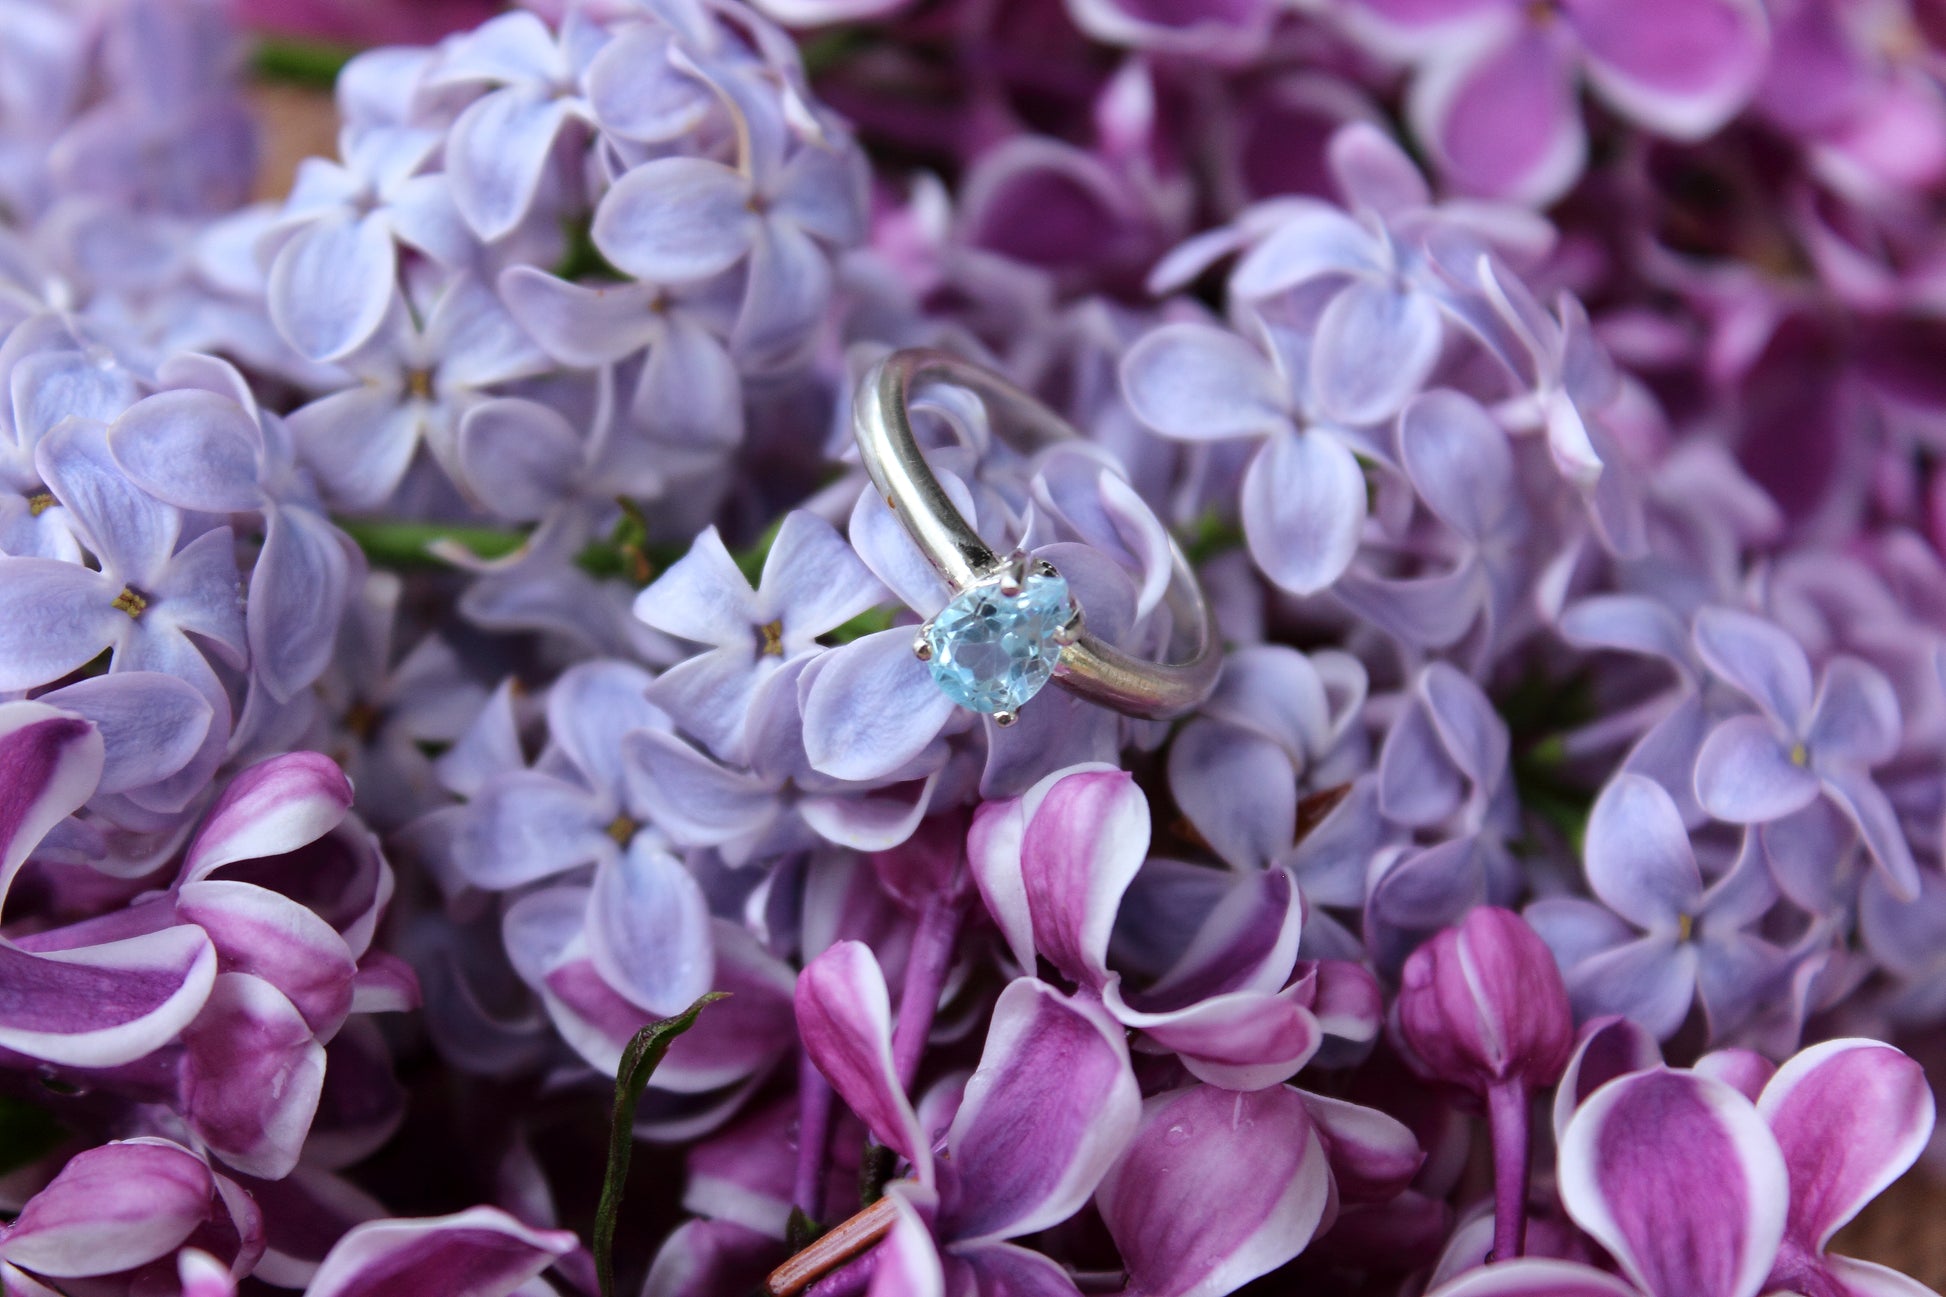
(1483, 1004)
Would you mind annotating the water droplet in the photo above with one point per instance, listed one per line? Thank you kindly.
(1178, 1133)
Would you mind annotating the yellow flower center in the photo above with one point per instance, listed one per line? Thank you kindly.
(773, 638)
(622, 830)
(132, 601)
(419, 383)
(40, 502)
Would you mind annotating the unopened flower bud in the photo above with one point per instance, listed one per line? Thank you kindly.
(1483, 1004)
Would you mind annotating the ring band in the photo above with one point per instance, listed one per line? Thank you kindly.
(1077, 660)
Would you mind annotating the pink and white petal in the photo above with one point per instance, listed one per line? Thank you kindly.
(1533, 1277)
(1196, 382)
(1501, 116)
(1082, 847)
(1372, 350)
(1217, 1188)
(993, 846)
(52, 762)
(272, 808)
(1303, 510)
(271, 936)
(496, 153)
(1743, 1070)
(1244, 1040)
(844, 1015)
(1373, 1156)
(1004, 1270)
(111, 1209)
(1851, 1116)
(1681, 68)
(1877, 822)
(1758, 658)
(202, 1275)
(872, 709)
(676, 220)
(1680, 1179)
(1746, 776)
(583, 326)
(1050, 1107)
(1610, 1047)
(1638, 857)
(649, 929)
(105, 1005)
(332, 285)
(1864, 1279)
(191, 448)
(908, 1261)
(480, 1252)
(251, 1076)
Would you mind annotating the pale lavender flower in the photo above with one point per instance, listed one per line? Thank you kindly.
(1661, 936)
(1754, 769)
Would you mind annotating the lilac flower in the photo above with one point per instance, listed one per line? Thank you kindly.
(1755, 769)
(481, 1251)
(499, 149)
(1017, 1158)
(1482, 1005)
(1303, 501)
(812, 583)
(1494, 95)
(336, 272)
(412, 386)
(1664, 937)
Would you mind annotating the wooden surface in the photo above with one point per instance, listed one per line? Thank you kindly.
(1905, 1229)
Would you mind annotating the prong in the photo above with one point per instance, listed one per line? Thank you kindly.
(1069, 631)
(920, 648)
(1005, 718)
(1044, 568)
(1013, 573)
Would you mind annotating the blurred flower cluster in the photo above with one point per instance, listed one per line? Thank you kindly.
(445, 629)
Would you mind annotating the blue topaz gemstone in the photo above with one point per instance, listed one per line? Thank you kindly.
(992, 651)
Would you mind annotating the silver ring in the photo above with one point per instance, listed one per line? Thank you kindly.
(1011, 626)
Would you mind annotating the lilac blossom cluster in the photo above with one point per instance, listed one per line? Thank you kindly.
(446, 631)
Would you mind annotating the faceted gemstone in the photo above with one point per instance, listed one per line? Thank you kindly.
(992, 651)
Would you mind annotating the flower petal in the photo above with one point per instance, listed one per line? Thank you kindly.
(51, 763)
(1758, 658)
(251, 1076)
(1501, 117)
(1679, 1178)
(1086, 839)
(193, 449)
(844, 1015)
(1195, 382)
(111, 1209)
(496, 154)
(273, 808)
(1850, 1116)
(1459, 462)
(1216, 1189)
(1372, 350)
(1877, 822)
(1639, 859)
(649, 929)
(298, 593)
(1303, 510)
(1681, 68)
(1051, 1105)
(104, 1005)
(331, 286)
(1856, 716)
(480, 1252)
(676, 220)
(872, 709)
(1744, 775)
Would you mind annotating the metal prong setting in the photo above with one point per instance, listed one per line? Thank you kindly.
(1005, 718)
(1044, 568)
(1013, 573)
(1070, 630)
(920, 648)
